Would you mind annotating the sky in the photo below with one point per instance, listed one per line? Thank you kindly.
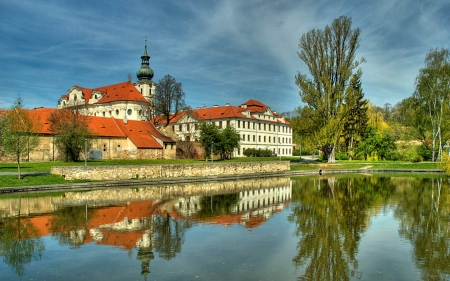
(222, 52)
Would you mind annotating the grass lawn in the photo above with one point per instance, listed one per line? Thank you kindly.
(296, 164)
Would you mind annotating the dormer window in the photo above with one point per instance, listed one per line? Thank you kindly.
(75, 97)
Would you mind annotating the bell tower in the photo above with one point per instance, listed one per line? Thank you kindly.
(145, 74)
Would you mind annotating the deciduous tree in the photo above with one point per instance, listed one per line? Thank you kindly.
(330, 57)
(169, 98)
(72, 132)
(432, 93)
(19, 132)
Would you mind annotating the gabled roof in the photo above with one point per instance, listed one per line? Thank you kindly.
(142, 133)
(104, 127)
(223, 112)
(124, 91)
(218, 112)
(256, 106)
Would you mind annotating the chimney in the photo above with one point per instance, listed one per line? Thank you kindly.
(215, 105)
(227, 104)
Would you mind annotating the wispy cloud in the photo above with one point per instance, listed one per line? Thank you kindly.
(222, 51)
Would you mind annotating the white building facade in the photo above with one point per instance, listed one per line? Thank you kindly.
(258, 126)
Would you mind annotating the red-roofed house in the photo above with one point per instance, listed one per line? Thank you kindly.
(258, 126)
(113, 139)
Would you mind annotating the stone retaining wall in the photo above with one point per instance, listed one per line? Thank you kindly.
(168, 171)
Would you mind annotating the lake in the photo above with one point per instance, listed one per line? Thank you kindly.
(343, 227)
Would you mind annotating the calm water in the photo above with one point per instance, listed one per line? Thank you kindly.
(306, 228)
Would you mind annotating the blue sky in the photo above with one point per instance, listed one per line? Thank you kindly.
(221, 51)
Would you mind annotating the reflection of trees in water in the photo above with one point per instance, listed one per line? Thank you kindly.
(213, 206)
(424, 213)
(169, 235)
(68, 225)
(19, 243)
(330, 217)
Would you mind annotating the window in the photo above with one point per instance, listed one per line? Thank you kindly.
(254, 138)
(243, 137)
(179, 128)
(228, 123)
(264, 138)
(248, 137)
(264, 127)
(239, 123)
(243, 124)
(117, 112)
(196, 127)
(188, 127)
(248, 125)
(104, 114)
(129, 111)
(259, 126)
(253, 125)
(75, 97)
(259, 138)
(220, 124)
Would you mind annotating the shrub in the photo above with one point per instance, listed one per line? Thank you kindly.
(251, 152)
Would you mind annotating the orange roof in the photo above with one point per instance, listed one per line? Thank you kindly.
(104, 127)
(42, 115)
(221, 112)
(142, 133)
(255, 105)
(125, 91)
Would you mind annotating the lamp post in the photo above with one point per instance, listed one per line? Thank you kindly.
(212, 145)
(85, 152)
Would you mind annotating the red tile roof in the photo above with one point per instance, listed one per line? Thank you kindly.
(124, 91)
(142, 133)
(222, 112)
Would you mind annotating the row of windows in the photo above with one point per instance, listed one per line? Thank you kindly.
(222, 124)
(117, 112)
(264, 127)
(270, 139)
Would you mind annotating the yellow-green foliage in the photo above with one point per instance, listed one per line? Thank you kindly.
(446, 163)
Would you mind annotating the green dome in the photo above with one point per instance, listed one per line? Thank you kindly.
(145, 72)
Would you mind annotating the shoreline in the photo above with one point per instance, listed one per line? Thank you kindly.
(170, 181)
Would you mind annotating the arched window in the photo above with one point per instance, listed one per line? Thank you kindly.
(129, 111)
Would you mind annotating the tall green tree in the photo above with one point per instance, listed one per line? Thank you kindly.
(72, 133)
(433, 94)
(169, 98)
(209, 136)
(356, 123)
(19, 132)
(329, 55)
(218, 141)
(229, 141)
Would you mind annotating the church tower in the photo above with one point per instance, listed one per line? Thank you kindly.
(145, 74)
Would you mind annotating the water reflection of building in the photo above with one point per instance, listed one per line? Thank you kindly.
(251, 209)
(129, 223)
(125, 217)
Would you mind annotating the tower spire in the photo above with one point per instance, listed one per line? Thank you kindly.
(145, 73)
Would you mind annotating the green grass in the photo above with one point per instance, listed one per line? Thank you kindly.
(11, 180)
(30, 180)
